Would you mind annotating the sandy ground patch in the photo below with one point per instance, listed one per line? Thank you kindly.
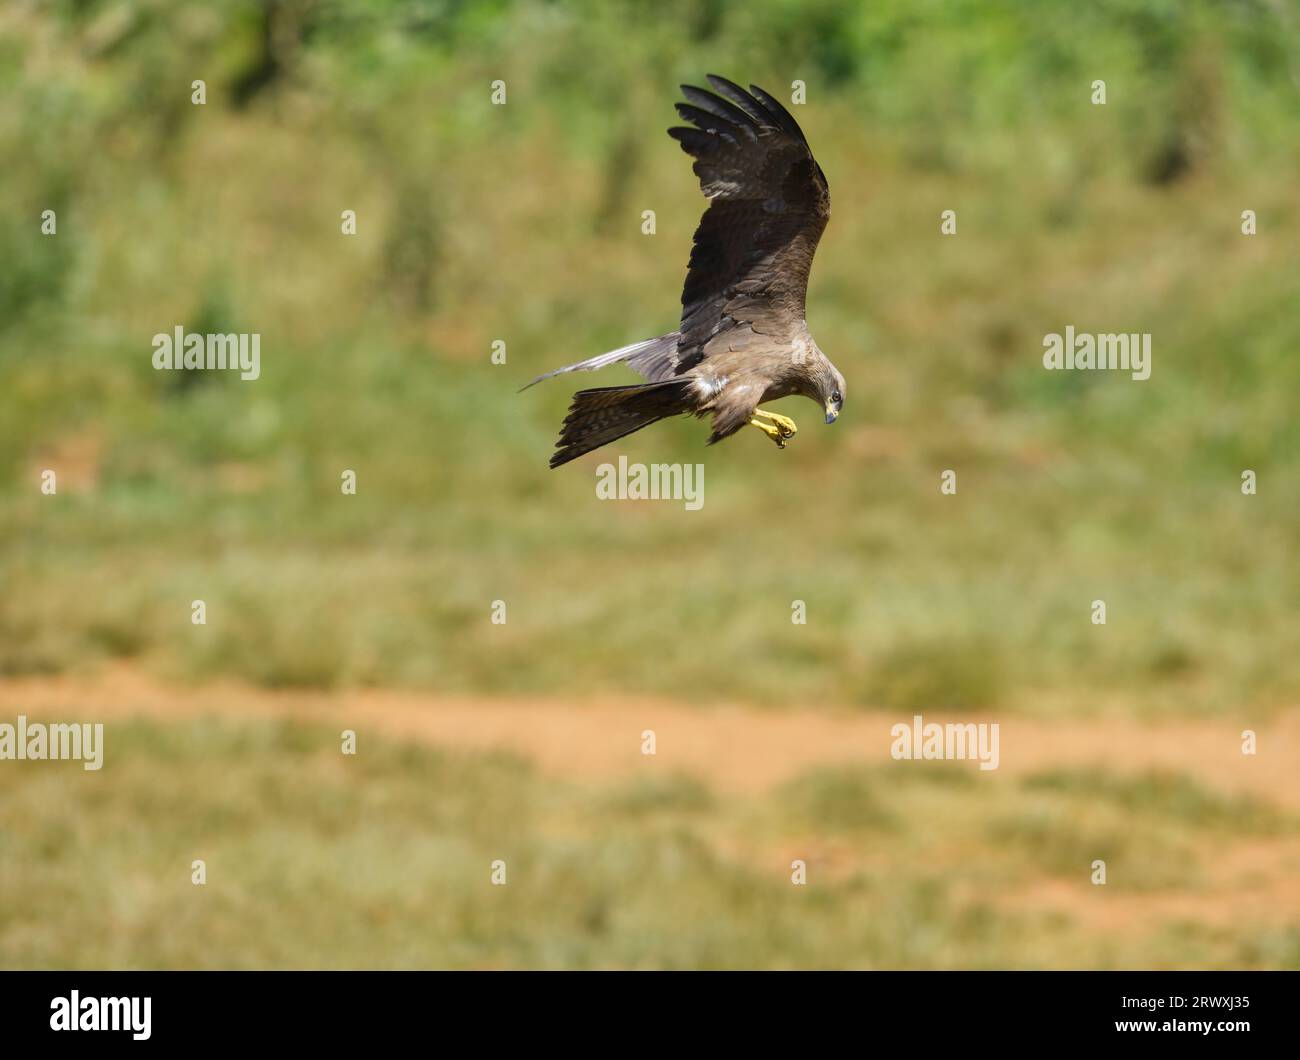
(733, 747)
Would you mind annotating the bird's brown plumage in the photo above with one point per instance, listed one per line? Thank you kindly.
(768, 207)
(742, 339)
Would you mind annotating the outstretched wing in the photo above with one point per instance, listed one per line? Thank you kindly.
(768, 206)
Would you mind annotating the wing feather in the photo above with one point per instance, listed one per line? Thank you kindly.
(768, 205)
(707, 103)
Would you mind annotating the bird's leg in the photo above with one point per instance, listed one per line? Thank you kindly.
(770, 429)
(784, 424)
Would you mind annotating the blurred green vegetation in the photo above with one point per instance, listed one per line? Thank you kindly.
(521, 223)
(383, 860)
(1171, 796)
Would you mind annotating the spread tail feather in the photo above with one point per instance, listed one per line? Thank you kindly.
(598, 417)
(653, 359)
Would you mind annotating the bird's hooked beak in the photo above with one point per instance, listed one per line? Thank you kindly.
(832, 413)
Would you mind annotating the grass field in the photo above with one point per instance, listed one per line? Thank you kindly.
(618, 860)
(522, 223)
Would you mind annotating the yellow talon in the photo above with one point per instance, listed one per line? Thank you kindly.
(783, 423)
(778, 428)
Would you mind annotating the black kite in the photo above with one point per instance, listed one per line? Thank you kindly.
(743, 339)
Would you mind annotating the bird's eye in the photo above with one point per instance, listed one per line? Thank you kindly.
(836, 398)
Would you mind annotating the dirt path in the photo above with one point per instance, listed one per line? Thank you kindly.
(734, 748)
(746, 750)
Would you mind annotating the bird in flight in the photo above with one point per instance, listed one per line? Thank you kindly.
(743, 339)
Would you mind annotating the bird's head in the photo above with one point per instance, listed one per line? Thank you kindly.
(831, 391)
